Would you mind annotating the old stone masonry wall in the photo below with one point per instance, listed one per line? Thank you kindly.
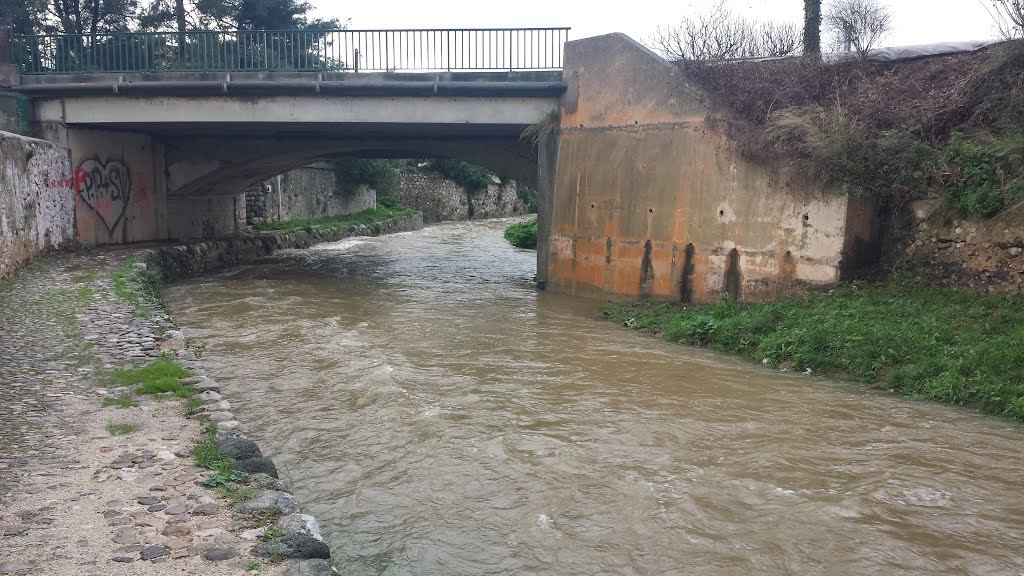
(440, 199)
(37, 210)
(976, 254)
(307, 192)
(311, 192)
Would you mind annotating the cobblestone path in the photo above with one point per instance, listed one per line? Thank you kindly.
(74, 497)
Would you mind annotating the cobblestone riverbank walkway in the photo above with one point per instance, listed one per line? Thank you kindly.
(88, 489)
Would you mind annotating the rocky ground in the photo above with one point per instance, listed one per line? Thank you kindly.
(92, 490)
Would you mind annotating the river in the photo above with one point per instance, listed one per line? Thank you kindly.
(439, 416)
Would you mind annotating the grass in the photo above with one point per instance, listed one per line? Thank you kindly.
(140, 288)
(234, 493)
(120, 429)
(385, 210)
(938, 343)
(207, 455)
(160, 376)
(192, 406)
(523, 234)
(271, 533)
(85, 278)
(120, 402)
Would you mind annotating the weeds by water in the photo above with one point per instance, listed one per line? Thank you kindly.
(138, 286)
(523, 234)
(192, 406)
(938, 343)
(385, 210)
(207, 455)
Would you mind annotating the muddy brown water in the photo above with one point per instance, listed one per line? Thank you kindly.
(440, 416)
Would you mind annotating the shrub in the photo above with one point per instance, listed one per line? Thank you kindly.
(528, 195)
(383, 176)
(469, 176)
(523, 234)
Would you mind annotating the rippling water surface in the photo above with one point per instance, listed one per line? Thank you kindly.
(440, 416)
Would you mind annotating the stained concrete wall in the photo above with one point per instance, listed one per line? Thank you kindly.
(206, 217)
(36, 200)
(119, 186)
(650, 199)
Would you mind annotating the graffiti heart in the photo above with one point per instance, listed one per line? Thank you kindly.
(105, 189)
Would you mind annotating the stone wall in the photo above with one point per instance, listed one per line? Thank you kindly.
(311, 192)
(440, 199)
(307, 192)
(37, 206)
(194, 259)
(975, 254)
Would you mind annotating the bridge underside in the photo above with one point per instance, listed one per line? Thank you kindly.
(174, 166)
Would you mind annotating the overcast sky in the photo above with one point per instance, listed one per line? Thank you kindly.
(914, 21)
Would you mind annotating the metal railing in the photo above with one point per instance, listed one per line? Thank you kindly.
(293, 50)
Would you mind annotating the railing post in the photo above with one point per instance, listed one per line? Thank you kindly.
(6, 51)
(355, 60)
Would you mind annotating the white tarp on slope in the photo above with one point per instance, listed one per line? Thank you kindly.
(910, 52)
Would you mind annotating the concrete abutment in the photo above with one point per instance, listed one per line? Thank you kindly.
(651, 198)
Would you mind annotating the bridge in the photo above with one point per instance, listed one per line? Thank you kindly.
(207, 113)
(642, 190)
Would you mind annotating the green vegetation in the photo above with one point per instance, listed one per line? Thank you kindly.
(161, 376)
(120, 402)
(234, 493)
(523, 234)
(974, 176)
(947, 345)
(252, 566)
(138, 287)
(469, 176)
(528, 195)
(207, 455)
(387, 208)
(271, 533)
(889, 131)
(120, 429)
(192, 406)
(382, 176)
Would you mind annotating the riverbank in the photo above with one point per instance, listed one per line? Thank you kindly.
(942, 344)
(96, 479)
(115, 445)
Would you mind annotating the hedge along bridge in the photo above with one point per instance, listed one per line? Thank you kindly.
(641, 189)
(294, 50)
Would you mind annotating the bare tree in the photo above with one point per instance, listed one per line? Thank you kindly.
(1008, 16)
(858, 25)
(719, 35)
